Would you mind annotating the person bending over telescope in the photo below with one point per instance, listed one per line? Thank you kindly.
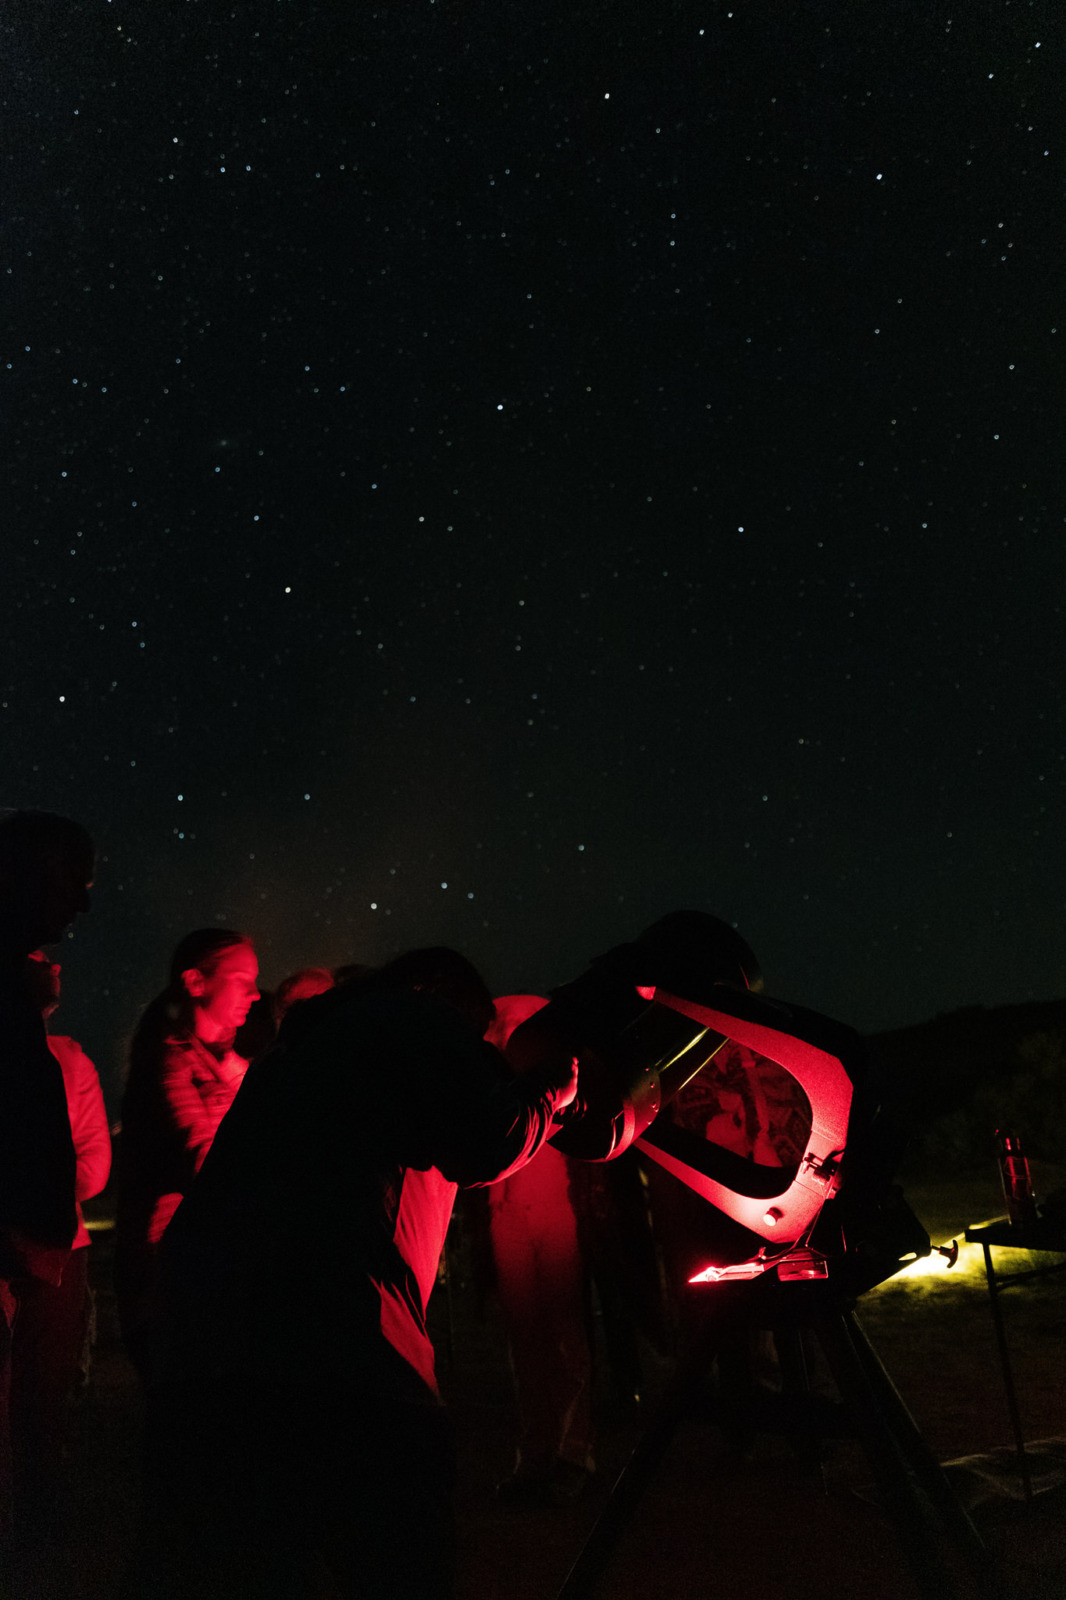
(296, 1418)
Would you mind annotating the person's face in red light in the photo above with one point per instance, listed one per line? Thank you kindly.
(222, 998)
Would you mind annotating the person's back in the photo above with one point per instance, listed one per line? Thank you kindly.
(338, 1163)
(297, 1409)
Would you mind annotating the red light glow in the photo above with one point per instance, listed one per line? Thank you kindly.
(828, 1089)
(790, 1267)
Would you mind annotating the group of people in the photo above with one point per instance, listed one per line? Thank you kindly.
(275, 1249)
(285, 1179)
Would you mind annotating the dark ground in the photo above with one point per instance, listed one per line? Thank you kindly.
(708, 1527)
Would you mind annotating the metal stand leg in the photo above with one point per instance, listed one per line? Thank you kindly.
(931, 1524)
(929, 1520)
(616, 1516)
(797, 1400)
(1008, 1374)
(955, 1520)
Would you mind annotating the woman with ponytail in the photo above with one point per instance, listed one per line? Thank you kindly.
(183, 1076)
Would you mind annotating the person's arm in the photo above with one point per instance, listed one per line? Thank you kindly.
(88, 1119)
(490, 1121)
(516, 1121)
(191, 1123)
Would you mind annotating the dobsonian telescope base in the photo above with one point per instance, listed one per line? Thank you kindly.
(946, 1555)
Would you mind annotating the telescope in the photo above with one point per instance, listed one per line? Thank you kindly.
(648, 1017)
(802, 1236)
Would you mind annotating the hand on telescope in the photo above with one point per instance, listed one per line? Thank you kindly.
(558, 1066)
(567, 1086)
(535, 1047)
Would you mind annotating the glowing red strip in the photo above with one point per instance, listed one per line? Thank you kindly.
(829, 1090)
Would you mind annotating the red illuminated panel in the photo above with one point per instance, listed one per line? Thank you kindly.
(784, 1217)
(792, 1267)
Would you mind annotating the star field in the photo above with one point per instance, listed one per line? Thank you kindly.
(492, 478)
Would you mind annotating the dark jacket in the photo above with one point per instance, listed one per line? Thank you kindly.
(308, 1245)
(37, 1165)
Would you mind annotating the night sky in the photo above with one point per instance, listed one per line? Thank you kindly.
(492, 475)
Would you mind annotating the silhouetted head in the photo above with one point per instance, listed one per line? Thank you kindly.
(46, 870)
(351, 972)
(301, 985)
(442, 972)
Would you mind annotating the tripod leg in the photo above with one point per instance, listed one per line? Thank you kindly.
(584, 1576)
(955, 1519)
(914, 1491)
(617, 1515)
(807, 1448)
(921, 1459)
